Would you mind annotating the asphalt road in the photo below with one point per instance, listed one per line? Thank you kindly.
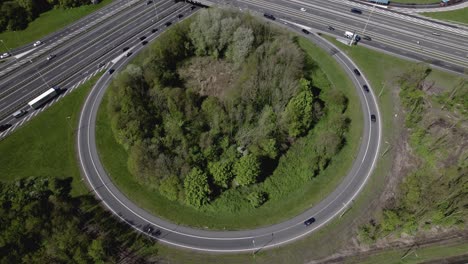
(82, 54)
(233, 241)
(84, 47)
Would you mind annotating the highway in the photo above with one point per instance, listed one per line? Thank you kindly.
(439, 44)
(83, 54)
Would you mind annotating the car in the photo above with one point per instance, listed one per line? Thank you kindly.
(125, 49)
(19, 113)
(435, 34)
(365, 87)
(309, 221)
(356, 11)
(168, 24)
(5, 55)
(269, 16)
(357, 38)
(154, 30)
(367, 38)
(110, 71)
(305, 31)
(149, 230)
(193, 7)
(51, 56)
(4, 127)
(373, 118)
(303, 9)
(37, 43)
(129, 54)
(331, 28)
(149, 2)
(142, 37)
(179, 16)
(100, 65)
(356, 71)
(144, 42)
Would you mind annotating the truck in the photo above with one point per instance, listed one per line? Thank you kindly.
(43, 98)
(348, 34)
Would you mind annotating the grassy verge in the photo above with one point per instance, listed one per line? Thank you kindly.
(45, 146)
(458, 16)
(417, 255)
(47, 23)
(115, 159)
(418, 2)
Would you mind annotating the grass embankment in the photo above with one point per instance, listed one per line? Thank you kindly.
(381, 70)
(47, 23)
(418, 2)
(458, 16)
(45, 146)
(115, 159)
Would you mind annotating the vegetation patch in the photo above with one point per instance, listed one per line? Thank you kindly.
(458, 16)
(227, 150)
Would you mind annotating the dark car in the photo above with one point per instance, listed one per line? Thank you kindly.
(356, 11)
(367, 38)
(111, 71)
(357, 72)
(149, 2)
(149, 230)
(269, 16)
(129, 54)
(125, 49)
(309, 221)
(142, 37)
(305, 31)
(331, 28)
(4, 127)
(373, 118)
(154, 30)
(168, 24)
(365, 87)
(357, 38)
(51, 56)
(193, 7)
(144, 42)
(100, 65)
(179, 16)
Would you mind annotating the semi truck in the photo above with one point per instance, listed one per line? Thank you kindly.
(43, 98)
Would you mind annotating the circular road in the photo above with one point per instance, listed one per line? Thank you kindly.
(233, 241)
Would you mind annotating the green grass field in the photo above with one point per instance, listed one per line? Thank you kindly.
(115, 158)
(419, 2)
(45, 146)
(458, 16)
(48, 22)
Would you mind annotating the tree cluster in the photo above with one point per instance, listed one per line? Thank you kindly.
(41, 223)
(16, 14)
(194, 146)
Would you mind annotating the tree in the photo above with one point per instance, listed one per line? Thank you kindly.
(221, 172)
(241, 45)
(247, 169)
(298, 114)
(170, 187)
(197, 189)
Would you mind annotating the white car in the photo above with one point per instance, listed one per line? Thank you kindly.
(5, 55)
(37, 43)
(303, 9)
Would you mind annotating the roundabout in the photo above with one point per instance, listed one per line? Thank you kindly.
(335, 204)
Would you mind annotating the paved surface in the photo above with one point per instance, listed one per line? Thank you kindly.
(79, 54)
(233, 241)
(443, 45)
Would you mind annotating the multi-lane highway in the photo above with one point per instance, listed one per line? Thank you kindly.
(83, 53)
(439, 44)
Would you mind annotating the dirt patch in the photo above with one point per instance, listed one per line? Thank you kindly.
(208, 76)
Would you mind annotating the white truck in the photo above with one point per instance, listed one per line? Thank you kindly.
(348, 34)
(43, 98)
